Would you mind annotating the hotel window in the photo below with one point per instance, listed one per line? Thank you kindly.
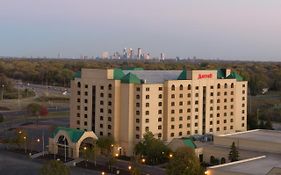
(211, 115)
(225, 100)
(147, 120)
(188, 117)
(231, 106)
(243, 92)
(181, 87)
(180, 103)
(147, 89)
(172, 111)
(85, 101)
(188, 102)
(243, 118)
(160, 104)
(196, 102)
(232, 92)
(101, 118)
(211, 101)
(211, 94)
(231, 120)
(243, 111)
(231, 113)
(85, 123)
(180, 111)
(189, 95)
(225, 114)
(180, 118)
(78, 115)
(137, 128)
(188, 110)
(231, 127)
(137, 104)
(137, 120)
(160, 96)
(78, 92)
(172, 134)
(101, 125)
(78, 122)
(188, 132)
(78, 100)
(181, 95)
(196, 131)
(109, 119)
(146, 104)
(218, 122)
(101, 87)
(137, 112)
(137, 136)
(225, 107)
(109, 103)
(159, 127)
(243, 124)
(224, 121)
(211, 108)
(109, 87)
(147, 96)
(211, 129)
(79, 84)
(86, 86)
(173, 96)
(159, 135)
(218, 108)
(146, 112)
(138, 97)
(109, 95)
(218, 94)
(85, 115)
(101, 133)
(243, 98)
(243, 85)
(172, 127)
(219, 86)
(211, 122)
(225, 93)
(225, 85)
(180, 133)
(231, 99)
(109, 111)
(218, 129)
(243, 104)
(147, 129)
(212, 87)
(101, 102)
(86, 108)
(101, 94)
(196, 116)
(172, 103)
(195, 124)
(138, 89)
(196, 94)
(232, 85)
(224, 128)
(173, 87)
(159, 111)
(197, 87)
(218, 101)
(160, 88)
(188, 125)
(189, 87)
(101, 110)
(172, 119)
(159, 119)
(218, 115)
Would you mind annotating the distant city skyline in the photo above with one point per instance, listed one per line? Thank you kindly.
(218, 29)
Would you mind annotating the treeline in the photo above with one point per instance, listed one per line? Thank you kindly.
(59, 72)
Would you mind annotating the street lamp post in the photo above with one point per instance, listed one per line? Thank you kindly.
(24, 144)
(2, 93)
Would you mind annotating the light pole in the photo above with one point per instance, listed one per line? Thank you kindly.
(2, 93)
(24, 144)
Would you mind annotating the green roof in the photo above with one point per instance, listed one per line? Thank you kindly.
(183, 75)
(131, 78)
(77, 74)
(234, 75)
(118, 74)
(134, 68)
(221, 73)
(74, 134)
(189, 143)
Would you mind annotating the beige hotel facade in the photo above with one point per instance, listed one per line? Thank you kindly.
(169, 103)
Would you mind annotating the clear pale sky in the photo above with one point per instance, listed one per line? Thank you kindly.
(225, 29)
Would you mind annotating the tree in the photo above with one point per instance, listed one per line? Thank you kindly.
(184, 162)
(233, 154)
(152, 149)
(105, 144)
(54, 167)
(91, 153)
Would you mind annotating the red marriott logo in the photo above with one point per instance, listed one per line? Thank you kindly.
(201, 76)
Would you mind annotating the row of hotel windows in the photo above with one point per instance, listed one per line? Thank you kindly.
(101, 87)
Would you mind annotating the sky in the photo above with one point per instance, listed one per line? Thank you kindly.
(211, 29)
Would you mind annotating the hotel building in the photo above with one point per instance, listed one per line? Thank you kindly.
(169, 103)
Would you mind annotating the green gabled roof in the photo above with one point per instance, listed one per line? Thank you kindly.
(189, 143)
(183, 75)
(118, 74)
(74, 134)
(234, 75)
(131, 78)
(77, 74)
(221, 73)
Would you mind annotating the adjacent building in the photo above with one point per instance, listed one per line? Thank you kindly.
(170, 103)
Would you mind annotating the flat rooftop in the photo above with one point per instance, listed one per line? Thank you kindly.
(259, 166)
(259, 135)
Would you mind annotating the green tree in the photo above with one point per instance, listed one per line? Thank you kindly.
(54, 167)
(105, 144)
(152, 149)
(233, 154)
(184, 162)
(91, 154)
